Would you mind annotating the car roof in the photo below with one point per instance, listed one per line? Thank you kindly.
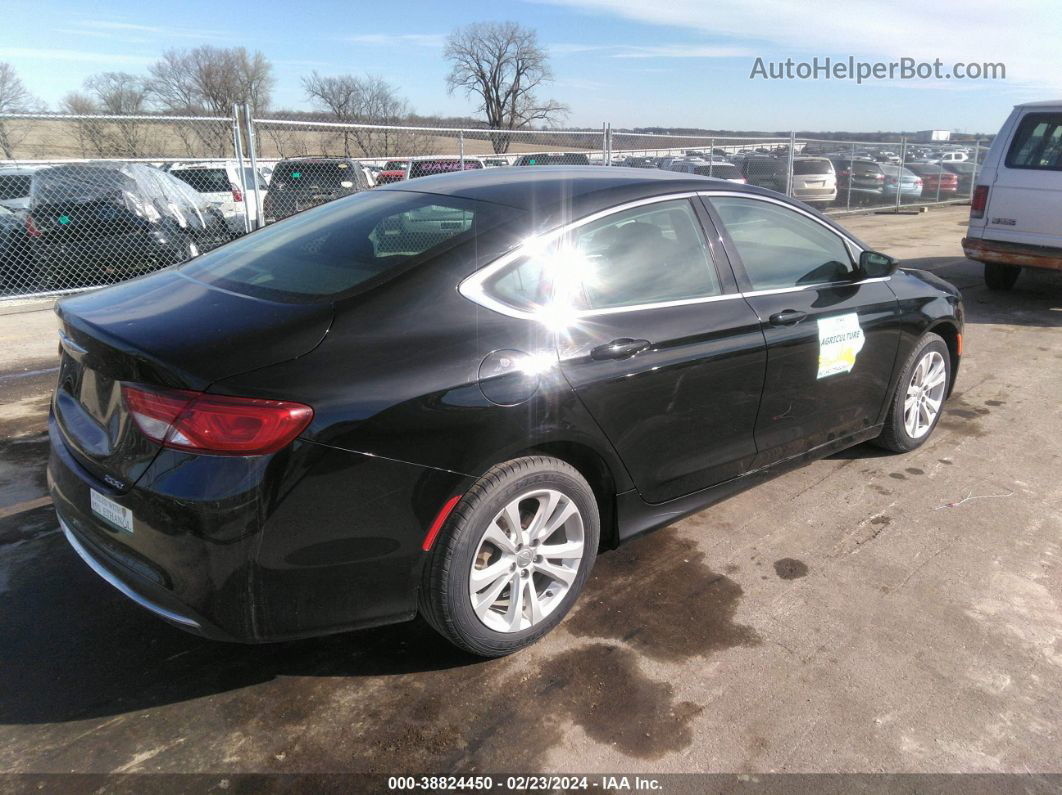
(575, 189)
(1048, 103)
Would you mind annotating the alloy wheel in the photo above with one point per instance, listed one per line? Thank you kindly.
(526, 561)
(925, 394)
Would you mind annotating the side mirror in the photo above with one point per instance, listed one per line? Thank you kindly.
(873, 265)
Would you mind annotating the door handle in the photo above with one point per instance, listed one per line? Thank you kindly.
(622, 348)
(787, 317)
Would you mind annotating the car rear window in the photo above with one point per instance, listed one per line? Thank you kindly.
(719, 170)
(1038, 143)
(344, 246)
(15, 186)
(314, 175)
(204, 180)
(805, 167)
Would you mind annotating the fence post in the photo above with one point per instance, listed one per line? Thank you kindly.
(789, 170)
(711, 155)
(237, 145)
(604, 144)
(899, 173)
(973, 175)
(461, 144)
(851, 176)
(251, 146)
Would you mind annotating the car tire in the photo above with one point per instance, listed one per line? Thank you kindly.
(1001, 277)
(899, 433)
(495, 626)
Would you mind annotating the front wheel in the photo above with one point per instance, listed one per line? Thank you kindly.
(513, 556)
(919, 400)
(999, 276)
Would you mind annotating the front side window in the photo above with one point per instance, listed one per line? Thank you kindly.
(1038, 143)
(783, 248)
(650, 254)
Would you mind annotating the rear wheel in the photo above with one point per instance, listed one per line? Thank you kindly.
(513, 557)
(999, 276)
(919, 400)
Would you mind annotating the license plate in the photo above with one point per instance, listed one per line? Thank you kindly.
(111, 512)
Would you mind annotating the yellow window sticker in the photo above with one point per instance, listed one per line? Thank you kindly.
(840, 341)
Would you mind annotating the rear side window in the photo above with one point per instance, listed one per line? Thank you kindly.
(14, 186)
(644, 255)
(782, 248)
(338, 247)
(205, 180)
(1037, 143)
(315, 175)
(805, 167)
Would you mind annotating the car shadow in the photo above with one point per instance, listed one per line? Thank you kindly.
(72, 647)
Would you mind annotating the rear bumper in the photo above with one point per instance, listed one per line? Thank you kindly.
(1004, 253)
(310, 541)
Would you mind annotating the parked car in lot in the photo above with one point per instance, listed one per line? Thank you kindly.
(534, 364)
(429, 166)
(902, 181)
(299, 183)
(17, 274)
(555, 159)
(1017, 201)
(16, 184)
(702, 168)
(937, 181)
(953, 157)
(859, 181)
(814, 180)
(222, 184)
(393, 171)
(97, 223)
(764, 172)
(495, 162)
(965, 173)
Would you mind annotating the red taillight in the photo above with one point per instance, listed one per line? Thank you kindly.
(979, 202)
(215, 424)
(31, 228)
(844, 173)
(237, 196)
(879, 176)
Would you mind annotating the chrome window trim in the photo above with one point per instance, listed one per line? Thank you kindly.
(472, 286)
(97, 567)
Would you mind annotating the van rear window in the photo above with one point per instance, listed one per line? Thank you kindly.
(1038, 143)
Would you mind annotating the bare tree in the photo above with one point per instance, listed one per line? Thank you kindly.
(359, 100)
(14, 98)
(110, 94)
(503, 65)
(209, 81)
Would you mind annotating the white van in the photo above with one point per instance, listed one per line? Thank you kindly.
(1017, 201)
(956, 156)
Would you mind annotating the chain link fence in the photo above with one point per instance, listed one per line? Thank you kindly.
(91, 200)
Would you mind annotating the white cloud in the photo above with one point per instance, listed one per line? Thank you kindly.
(654, 50)
(1023, 34)
(158, 30)
(84, 56)
(389, 39)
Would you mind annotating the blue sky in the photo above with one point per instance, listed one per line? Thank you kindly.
(668, 63)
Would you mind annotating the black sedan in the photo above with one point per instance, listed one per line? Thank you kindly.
(445, 400)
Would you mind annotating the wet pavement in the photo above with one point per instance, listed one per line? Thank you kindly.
(868, 612)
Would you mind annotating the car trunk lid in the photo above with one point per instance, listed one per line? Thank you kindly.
(164, 330)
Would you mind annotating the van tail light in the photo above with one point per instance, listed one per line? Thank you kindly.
(845, 173)
(979, 202)
(237, 195)
(215, 424)
(31, 227)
